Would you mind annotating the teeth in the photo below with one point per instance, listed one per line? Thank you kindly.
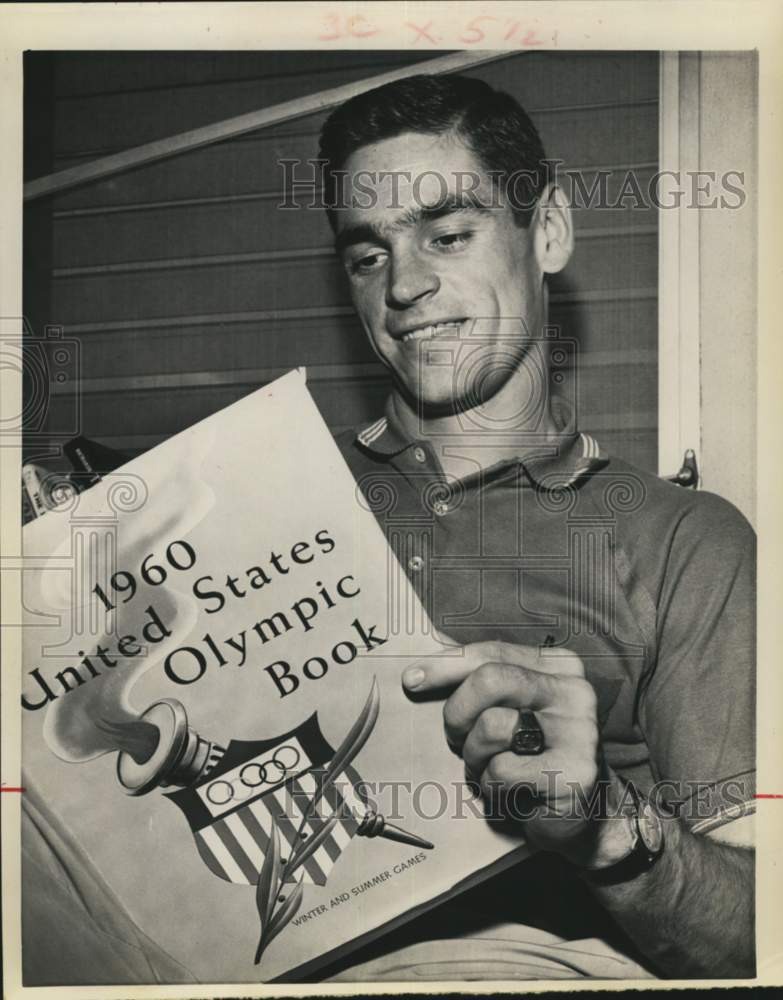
(428, 332)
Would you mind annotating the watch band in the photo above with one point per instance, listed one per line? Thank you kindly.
(647, 844)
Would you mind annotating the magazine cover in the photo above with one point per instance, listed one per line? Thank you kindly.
(213, 698)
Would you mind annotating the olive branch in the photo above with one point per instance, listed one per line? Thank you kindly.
(274, 910)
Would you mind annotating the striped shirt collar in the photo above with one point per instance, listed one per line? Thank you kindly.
(575, 455)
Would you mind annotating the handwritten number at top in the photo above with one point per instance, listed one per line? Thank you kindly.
(485, 28)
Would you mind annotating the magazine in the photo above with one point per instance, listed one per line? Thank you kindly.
(215, 635)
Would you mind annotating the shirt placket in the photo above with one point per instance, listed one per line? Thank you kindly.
(415, 528)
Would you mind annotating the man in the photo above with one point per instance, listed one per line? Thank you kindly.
(615, 607)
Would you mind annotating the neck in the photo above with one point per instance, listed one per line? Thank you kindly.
(514, 423)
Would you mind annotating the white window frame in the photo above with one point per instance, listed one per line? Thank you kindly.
(679, 320)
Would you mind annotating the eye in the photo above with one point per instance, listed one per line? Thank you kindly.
(452, 241)
(367, 263)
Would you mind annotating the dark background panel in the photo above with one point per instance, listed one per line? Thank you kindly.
(247, 223)
(186, 286)
(268, 280)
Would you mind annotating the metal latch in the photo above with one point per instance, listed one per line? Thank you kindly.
(688, 474)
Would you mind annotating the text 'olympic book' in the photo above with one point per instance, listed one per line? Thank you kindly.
(212, 705)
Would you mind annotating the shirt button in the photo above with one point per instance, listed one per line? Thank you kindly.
(420, 454)
(415, 564)
(440, 507)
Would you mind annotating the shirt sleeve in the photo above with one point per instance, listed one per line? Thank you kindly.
(697, 709)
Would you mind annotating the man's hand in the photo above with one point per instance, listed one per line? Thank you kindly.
(692, 912)
(493, 681)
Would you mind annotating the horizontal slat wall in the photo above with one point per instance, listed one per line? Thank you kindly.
(187, 286)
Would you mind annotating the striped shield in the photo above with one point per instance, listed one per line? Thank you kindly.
(230, 809)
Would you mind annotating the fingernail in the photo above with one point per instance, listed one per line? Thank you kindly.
(413, 677)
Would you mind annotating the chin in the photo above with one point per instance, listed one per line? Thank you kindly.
(431, 402)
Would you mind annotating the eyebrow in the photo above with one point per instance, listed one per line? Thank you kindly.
(367, 232)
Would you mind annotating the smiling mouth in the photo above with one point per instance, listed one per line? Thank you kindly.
(451, 328)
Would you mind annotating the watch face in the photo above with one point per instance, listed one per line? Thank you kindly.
(650, 828)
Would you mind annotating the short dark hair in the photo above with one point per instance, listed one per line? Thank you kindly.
(493, 125)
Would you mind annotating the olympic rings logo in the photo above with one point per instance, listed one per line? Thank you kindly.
(251, 776)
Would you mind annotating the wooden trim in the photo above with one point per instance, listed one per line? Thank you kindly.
(211, 379)
(604, 423)
(247, 139)
(678, 267)
(88, 154)
(150, 152)
(613, 232)
(277, 195)
(157, 206)
(373, 370)
(388, 57)
(668, 269)
(317, 313)
(208, 260)
(105, 152)
(280, 256)
(212, 319)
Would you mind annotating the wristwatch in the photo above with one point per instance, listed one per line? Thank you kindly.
(646, 838)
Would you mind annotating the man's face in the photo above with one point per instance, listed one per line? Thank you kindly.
(449, 293)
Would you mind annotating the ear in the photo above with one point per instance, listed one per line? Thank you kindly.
(554, 230)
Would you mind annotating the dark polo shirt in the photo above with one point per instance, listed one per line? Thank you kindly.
(652, 585)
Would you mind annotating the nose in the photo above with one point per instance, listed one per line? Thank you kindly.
(411, 279)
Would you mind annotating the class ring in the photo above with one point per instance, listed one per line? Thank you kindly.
(527, 738)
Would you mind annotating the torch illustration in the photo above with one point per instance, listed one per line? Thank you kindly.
(266, 812)
(205, 775)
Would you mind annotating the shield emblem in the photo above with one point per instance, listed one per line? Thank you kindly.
(231, 808)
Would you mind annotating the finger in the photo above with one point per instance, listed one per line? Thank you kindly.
(494, 728)
(445, 672)
(490, 735)
(514, 785)
(509, 686)
(505, 772)
(495, 685)
(542, 777)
